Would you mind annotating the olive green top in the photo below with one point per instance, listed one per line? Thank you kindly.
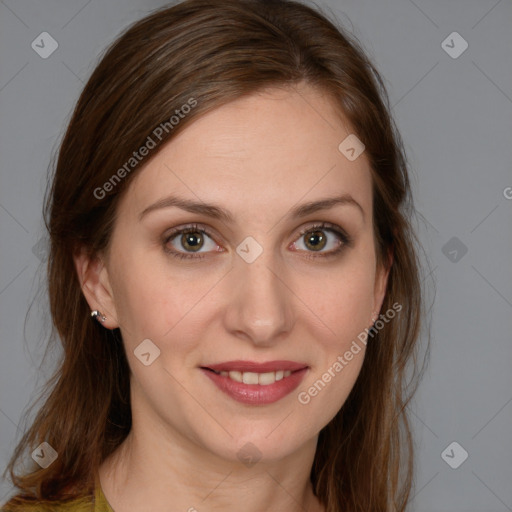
(93, 503)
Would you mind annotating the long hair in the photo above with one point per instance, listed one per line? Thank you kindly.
(205, 54)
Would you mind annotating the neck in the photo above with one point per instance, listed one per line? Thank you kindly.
(149, 472)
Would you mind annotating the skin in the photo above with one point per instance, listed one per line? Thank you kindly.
(258, 158)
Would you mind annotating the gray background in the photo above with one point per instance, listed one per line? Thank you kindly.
(455, 115)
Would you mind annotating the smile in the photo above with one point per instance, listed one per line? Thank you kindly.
(242, 381)
(263, 379)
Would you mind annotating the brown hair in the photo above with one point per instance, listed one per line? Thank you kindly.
(215, 52)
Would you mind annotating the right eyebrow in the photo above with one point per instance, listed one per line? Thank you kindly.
(209, 210)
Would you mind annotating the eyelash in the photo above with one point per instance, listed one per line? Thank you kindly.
(346, 241)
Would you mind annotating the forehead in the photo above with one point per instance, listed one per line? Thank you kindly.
(274, 147)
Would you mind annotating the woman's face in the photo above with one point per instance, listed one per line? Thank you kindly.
(271, 270)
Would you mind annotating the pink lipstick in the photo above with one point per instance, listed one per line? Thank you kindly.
(256, 383)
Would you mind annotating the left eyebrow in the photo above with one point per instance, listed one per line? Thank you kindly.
(325, 204)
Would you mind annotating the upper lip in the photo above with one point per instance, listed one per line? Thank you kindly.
(252, 366)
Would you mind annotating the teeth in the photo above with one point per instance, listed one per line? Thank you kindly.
(266, 378)
(250, 378)
(235, 376)
(263, 379)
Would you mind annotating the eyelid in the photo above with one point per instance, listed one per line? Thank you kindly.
(346, 241)
(191, 228)
(328, 226)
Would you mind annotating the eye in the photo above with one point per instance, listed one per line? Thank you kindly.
(322, 236)
(320, 240)
(189, 242)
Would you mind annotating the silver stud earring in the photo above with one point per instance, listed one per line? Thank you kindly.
(96, 314)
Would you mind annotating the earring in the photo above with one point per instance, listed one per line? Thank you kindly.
(96, 314)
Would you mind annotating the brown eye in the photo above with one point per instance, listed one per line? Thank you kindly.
(322, 240)
(315, 240)
(192, 241)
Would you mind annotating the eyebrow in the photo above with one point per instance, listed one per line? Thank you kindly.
(216, 212)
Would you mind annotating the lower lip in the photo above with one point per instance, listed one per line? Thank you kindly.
(256, 394)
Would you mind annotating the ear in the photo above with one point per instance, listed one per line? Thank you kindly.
(95, 283)
(381, 281)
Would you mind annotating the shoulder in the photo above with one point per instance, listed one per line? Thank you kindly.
(92, 501)
(76, 505)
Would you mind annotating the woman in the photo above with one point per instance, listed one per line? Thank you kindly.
(232, 275)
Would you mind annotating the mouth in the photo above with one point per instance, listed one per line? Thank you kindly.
(262, 379)
(263, 374)
(256, 383)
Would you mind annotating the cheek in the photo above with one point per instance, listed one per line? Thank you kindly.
(155, 298)
(344, 306)
(344, 301)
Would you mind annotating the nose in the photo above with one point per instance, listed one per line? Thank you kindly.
(260, 308)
